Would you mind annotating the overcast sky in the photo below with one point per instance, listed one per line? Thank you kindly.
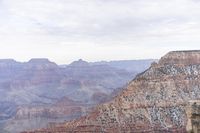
(66, 30)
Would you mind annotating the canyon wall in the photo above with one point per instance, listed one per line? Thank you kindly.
(155, 101)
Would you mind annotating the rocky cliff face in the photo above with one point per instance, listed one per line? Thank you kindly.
(181, 57)
(154, 101)
(193, 115)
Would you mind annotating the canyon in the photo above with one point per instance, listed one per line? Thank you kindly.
(39, 92)
(155, 101)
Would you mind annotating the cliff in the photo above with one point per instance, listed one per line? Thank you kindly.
(155, 101)
(193, 115)
(181, 58)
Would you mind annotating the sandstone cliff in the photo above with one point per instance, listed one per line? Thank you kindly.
(155, 101)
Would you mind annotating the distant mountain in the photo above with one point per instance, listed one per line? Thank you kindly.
(129, 65)
(40, 63)
(79, 63)
(34, 91)
(155, 101)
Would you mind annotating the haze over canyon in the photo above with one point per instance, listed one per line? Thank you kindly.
(155, 101)
(39, 91)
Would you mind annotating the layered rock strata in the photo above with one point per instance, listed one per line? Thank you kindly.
(155, 101)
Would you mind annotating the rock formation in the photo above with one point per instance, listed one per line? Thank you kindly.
(39, 91)
(155, 101)
(193, 115)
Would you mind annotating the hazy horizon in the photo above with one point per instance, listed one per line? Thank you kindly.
(95, 30)
(67, 63)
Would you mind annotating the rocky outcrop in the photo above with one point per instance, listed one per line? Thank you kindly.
(155, 101)
(193, 115)
(181, 58)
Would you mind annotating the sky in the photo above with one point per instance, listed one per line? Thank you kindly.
(94, 30)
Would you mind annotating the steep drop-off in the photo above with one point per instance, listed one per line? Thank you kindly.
(155, 101)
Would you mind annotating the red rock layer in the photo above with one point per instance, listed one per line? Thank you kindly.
(155, 101)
